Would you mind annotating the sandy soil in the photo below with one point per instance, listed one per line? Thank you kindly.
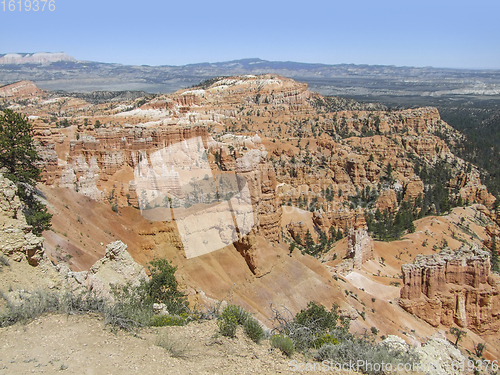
(82, 345)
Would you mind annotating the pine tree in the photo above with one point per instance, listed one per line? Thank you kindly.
(21, 164)
(458, 333)
(389, 171)
(495, 261)
(18, 154)
(309, 242)
(333, 234)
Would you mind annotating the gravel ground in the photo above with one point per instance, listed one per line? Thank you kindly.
(83, 345)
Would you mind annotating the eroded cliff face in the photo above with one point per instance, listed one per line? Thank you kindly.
(288, 145)
(345, 150)
(98, 155)
(289, 151)
(453, 287)
(470, 188)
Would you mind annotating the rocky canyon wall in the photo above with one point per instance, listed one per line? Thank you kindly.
(453, 288)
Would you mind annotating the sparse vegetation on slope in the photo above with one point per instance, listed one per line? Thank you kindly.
(132, 306)
(233, 316)
(316, 330)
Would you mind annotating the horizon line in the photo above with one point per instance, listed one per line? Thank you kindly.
(258, 59)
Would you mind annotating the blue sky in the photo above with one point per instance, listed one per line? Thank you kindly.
(462, 34)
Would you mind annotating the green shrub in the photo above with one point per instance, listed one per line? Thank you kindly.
(326, 339)
(30, 305)
(132, 306)
(283, 343)
(237, 311)
(253, 330)
(227, 325)
(307, 326)
(318, 317)
(230, 318)
(173, 320)
(168, 320)
(162, 288)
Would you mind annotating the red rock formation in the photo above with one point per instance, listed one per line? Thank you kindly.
(261, 182)
(387, 200)
(372, 172)
(340, 175)
(297, 230)
(413, 189)
(227, 161)
(340, 220)
(356, 171)
(112, 149)
(453, 287)
(132, 199)
(471, 189)
(20, 89)
(427, 146)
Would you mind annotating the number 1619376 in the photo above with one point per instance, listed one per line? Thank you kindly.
(28, 5)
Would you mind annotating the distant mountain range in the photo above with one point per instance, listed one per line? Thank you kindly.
(34, 58)
(58, 71)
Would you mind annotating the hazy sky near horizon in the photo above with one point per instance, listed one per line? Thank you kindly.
(439, 33)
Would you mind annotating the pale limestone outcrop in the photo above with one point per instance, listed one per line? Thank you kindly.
(16, 238)
(360, 246)
(393, 342)
(438, 355)
(116, 268)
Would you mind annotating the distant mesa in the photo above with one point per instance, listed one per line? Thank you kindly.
(35, 58)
